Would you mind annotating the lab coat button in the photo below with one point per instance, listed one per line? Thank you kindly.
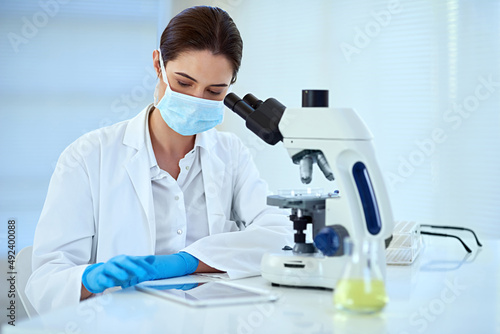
(176, 198)
(179, 231)
(187, 167)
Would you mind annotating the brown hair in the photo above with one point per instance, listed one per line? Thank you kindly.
(203, 28)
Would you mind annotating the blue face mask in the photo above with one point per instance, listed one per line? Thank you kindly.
(185, 114)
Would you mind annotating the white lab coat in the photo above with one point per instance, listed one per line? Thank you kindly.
(99, 205)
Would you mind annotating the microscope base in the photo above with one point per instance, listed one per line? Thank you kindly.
(307, 270)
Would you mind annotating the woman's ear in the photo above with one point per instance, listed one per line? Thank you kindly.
(156, 63)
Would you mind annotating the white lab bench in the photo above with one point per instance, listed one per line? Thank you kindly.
(444, 291)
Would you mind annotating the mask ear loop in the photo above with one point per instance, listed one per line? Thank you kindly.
(163, 72)
(155, 95)
(163, 75)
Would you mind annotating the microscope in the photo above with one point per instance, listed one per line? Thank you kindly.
(339, 142)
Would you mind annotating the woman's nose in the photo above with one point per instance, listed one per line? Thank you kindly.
(198, 93)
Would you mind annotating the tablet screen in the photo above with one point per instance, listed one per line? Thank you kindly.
(208, 293)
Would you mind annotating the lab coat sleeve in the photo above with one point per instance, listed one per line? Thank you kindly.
(63, 236)
(268, 229)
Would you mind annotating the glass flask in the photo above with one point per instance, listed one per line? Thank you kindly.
(361, 287)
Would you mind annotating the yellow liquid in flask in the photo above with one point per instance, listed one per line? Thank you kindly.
(359, 295)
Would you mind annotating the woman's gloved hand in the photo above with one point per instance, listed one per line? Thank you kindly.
(125, 271)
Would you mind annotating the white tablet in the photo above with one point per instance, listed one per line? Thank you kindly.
(208, 293)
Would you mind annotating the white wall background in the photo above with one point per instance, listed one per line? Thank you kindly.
(424, 74)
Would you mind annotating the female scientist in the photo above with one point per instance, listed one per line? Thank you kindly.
(163, 194)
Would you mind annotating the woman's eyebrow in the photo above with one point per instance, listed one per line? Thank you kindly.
(186, 76)
(219, 85)
(193, 79)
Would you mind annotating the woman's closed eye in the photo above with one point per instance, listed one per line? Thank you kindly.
(183, 84)
(214, 92)
(209, 90)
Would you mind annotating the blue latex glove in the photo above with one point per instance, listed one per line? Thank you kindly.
(125, 271)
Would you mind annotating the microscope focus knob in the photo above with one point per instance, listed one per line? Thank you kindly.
(330, 240)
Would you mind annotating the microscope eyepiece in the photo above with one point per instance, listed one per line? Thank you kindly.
(239, 106)
(262, 118)
(231, 99)
(252, 101)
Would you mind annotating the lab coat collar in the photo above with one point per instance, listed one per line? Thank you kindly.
(137, 167)
(205, 140)
(214, 173)
(135, 133)
(202, 141)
